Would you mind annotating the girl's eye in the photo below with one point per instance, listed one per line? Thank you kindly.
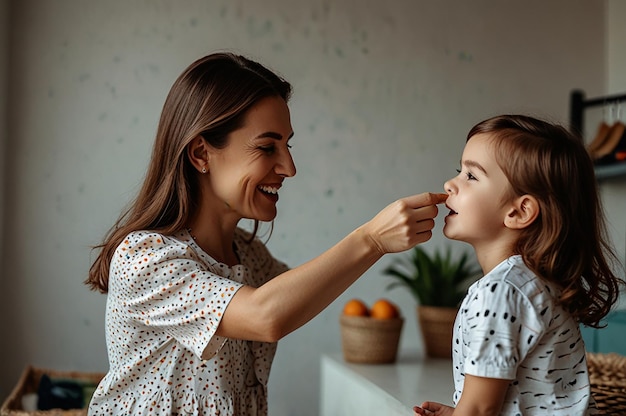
(468, 175)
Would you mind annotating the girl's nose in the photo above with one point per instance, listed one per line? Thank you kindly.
(447, 186)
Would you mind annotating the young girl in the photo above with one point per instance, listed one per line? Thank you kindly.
(526, 199)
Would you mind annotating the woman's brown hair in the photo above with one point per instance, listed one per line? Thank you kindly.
(568, 244)
(210, 99)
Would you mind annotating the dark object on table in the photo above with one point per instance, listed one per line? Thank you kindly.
(59, 394)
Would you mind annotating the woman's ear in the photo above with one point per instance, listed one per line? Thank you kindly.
(198, 153)
(524, 211)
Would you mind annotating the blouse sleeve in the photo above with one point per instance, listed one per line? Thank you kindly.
(502, 326)
(163, 285)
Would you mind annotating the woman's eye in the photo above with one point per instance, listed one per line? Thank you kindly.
(268, 149)
(272, 149)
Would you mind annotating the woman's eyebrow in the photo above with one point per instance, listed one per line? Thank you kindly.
(273, 135)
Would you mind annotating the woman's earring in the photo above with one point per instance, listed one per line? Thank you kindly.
(204, 169)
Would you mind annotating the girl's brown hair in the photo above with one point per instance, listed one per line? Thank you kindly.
(210, 99)
(568, 243)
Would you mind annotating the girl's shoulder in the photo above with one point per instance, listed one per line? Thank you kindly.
(511, 270)
(514, 277)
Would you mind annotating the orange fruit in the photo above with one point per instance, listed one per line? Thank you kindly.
(355, 307)
(384, 309)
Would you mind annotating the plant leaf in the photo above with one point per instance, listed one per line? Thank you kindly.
(433, 279)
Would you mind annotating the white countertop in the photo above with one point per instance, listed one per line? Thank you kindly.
(389, 389)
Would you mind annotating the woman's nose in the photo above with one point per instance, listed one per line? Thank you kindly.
(286, 167)
(447, 186)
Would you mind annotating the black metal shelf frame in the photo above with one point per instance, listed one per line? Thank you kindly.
(578, 104)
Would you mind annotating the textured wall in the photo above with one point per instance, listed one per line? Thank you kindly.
(4, 57)
(384, 95)
(614, 191)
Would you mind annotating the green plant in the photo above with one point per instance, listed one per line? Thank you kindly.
(434, 280)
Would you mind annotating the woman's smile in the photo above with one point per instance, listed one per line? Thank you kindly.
(270, 191)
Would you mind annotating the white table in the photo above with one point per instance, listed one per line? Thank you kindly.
(383, 389)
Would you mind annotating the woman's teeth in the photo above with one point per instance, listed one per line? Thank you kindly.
(269, 189)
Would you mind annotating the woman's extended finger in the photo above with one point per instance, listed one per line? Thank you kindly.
(425, 199)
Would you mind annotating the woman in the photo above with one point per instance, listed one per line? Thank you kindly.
(195, 303)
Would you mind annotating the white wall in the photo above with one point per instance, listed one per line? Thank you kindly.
(616, 45)
(384, 95)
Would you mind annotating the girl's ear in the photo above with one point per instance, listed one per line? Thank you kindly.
(524, 210)
(198, 153)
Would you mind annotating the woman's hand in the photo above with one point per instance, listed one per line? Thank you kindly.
(433, 409)
(404, 223)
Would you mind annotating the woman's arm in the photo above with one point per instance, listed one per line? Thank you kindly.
(293, 298)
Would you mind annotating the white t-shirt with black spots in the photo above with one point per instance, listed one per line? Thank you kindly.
(166, 299)
(509, 326)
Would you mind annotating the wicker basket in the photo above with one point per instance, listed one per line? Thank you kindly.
(368, 340)
(437, 324)
(607, 375)
(29, 383)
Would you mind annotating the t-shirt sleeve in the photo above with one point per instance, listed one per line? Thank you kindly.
(164, 285)
(502, 326)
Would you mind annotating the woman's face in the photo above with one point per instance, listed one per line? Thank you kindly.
(477, 196)
(247, 174)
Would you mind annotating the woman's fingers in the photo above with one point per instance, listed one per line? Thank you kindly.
(425, 199)
(405, 223)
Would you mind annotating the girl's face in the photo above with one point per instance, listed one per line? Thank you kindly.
(247, 174)
(477, 196)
